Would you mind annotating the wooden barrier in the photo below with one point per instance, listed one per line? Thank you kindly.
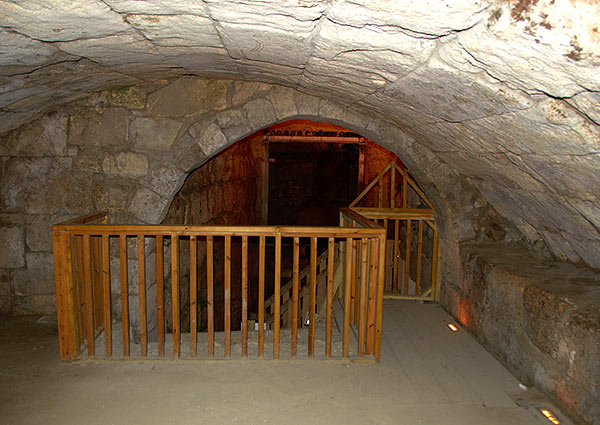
(82, 259)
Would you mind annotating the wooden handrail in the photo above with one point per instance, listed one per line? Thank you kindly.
(83, 276)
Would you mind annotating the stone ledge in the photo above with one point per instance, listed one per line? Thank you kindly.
(541, 319)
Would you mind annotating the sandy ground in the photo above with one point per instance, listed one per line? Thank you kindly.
(426, 376)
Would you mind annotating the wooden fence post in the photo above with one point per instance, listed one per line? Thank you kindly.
(65, 303)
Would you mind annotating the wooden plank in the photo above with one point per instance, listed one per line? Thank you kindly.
(142, 295)
(80, 290)
(425, 297)
(210, 299)
(347, 298)
(396, 213)
(227, 300)
(63, 279)
(96, 283)
(167, 230)
(89, 296)
(404, 192)
(124, 293)
(407, 256)
(380, 194)
(372, 289)
(393, 188)
(244, 296)
(106, 296)
(370, 186)
(329, 322)
(380, 285)
(419, 259)
(353, 277)
(160, 295)
(175, 293)
(364, 276)
(193, 296)
(261, 296)
(295, 280)
(313, 296)
(354, 215)
(396, 254)
(277, 295)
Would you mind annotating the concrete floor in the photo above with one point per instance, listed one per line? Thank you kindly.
(427, 375)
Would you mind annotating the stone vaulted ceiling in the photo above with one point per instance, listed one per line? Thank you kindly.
(506, 93)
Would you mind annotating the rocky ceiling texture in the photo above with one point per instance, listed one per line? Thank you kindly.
(505, 92)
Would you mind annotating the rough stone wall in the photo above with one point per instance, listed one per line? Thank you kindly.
(540, 319)
(128, 151)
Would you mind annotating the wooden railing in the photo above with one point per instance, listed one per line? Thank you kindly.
(302, 280)
(85, 250)
(395, 201)
(412, 255)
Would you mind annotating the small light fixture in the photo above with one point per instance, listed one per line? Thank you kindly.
(452, 327)
(550, 416)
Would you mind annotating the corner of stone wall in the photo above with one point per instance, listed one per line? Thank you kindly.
(540, 319)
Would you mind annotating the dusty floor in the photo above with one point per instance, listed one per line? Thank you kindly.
(427, 375)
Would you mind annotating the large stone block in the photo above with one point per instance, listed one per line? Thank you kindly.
(12, 254)
(44, 186)
(260, 113)
(188, 96)
(126, 164)
(148, 206)
(38, 278)
(38, 231)
(44, 137)
(98, 127)
(153, 133)
(165, 181)
(111, 196)
(208, 136)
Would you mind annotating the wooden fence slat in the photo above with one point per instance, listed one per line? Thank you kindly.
(124, 293)
(210, 299)
(380, 285)
(295, 280)
(97, 283)
(175, 293)
(354, 248)
(396, 254)
(407, 256)
(330, 270)
(142, 295)
(80, 290)
(89, 296)
(244, 296)
(193, 296)
(227, 300)
(160, 296)
(404, 192)
(419, 254)
(372, 294)
(393, 188)
(347, 298)
(277, 296)
(261, 296)
(106, 296)
(363, 296)
(313, 296)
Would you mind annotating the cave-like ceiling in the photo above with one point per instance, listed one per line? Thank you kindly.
(506, 92)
